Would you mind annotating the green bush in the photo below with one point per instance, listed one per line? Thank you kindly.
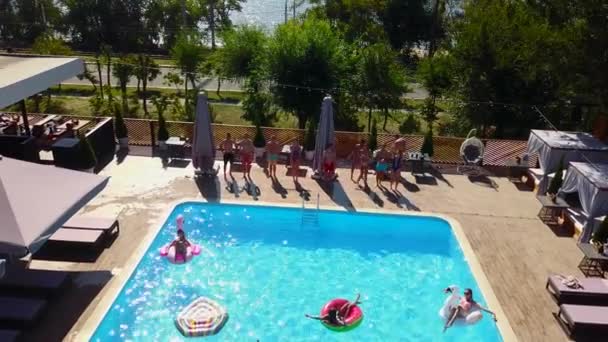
(258, 139)
(310, 136)
(601, 235)
(86, 154)
(557, 181)
(427, 144)
(163, 133)
(410, 125)
(373, 136)
(119, 126)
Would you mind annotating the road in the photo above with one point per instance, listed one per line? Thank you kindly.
(210, 83)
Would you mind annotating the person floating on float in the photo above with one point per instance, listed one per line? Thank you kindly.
(180, 250)
(461, 308)
(340, 314)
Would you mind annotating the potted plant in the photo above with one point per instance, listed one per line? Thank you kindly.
(86, 155)
(600, 237)
(427, 144)
(163, 133)
(259, 142)
(309, 141)
(121, 130)
(556, 182)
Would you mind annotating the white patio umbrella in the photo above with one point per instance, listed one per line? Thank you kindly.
(36, 200)
(325, 134)
(203, 146)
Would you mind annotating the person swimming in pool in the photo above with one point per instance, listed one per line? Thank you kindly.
(337, 316)
(181, 244)
(466, 305)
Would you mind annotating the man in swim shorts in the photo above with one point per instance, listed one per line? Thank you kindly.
(246, 150)
(466, 305)
(295, 155)
(382, 157)
(227, 147)
(272, 154)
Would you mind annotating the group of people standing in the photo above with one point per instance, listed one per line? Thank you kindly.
(387, 163)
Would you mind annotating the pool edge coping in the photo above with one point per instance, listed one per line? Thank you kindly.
(91, 323)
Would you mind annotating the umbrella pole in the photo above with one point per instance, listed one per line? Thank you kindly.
(26, 122)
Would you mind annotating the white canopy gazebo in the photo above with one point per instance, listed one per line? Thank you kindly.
(555, 146)
(591, 183)
(22, 77)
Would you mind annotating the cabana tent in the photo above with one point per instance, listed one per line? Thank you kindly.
(591, 183)
(555, 146)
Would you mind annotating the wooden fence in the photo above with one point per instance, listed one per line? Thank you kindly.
(447, 149)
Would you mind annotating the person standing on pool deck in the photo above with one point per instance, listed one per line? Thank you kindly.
(246, 150)
(364, 155)
(382, 158)
(467, 304)
(355, 158)
(272, 153)
(399, 144)
(227, 148)
(396, 169)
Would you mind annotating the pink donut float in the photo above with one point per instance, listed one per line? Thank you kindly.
(177, 258)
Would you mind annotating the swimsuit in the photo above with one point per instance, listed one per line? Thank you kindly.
(381, 167)
(228, 158)
(329, 166)
(247, 158)
(465, 305)
(273, 157)
(396, 163)
(295, 154)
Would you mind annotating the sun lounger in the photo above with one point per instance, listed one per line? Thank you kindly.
(39, 282)
(109, 225)
(9, 335)
(594, 291)
(78, 236)
(583, 322)
(20, 312)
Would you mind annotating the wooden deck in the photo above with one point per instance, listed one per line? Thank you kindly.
(515, 249)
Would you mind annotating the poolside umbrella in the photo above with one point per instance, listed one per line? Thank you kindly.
(325, 134)
(203, 147)
(36, 200)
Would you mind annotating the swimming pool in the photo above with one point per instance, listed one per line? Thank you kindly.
(268, 267)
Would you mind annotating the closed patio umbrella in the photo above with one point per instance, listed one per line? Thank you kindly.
(325, 134)
(36, 200)
(203, 147)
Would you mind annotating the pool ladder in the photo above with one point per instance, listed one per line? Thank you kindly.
(310, 218)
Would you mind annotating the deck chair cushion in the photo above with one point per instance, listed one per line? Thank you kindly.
(84, 236)
(43, 282)
(21, 311)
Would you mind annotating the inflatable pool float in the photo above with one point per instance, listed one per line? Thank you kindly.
(169, 253)
(354, 318)
(452, 302)
(202, 317)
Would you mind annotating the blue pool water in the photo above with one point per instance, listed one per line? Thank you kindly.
(268, 270)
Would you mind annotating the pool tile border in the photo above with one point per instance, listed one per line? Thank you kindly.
(122, 276)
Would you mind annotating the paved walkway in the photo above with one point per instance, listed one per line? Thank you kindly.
(515, 249)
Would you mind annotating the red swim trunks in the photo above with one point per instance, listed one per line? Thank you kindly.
(329, 166)
(247, 158)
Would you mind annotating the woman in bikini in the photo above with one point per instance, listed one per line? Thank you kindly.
(467, 304)
(355, 158)
(396, 169)
(364, 159)
(181, 244)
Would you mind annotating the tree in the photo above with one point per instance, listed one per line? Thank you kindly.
(427, 143)
(216, 14)
(124, 69)
(410, 125)
(147, 70)
(435, 75)
(188, 54)
(381, 80)
(504, 52)
(46, 44)
(373, 136)
(243, 51)
(257, 105)
(21, 22)
(306, 59)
